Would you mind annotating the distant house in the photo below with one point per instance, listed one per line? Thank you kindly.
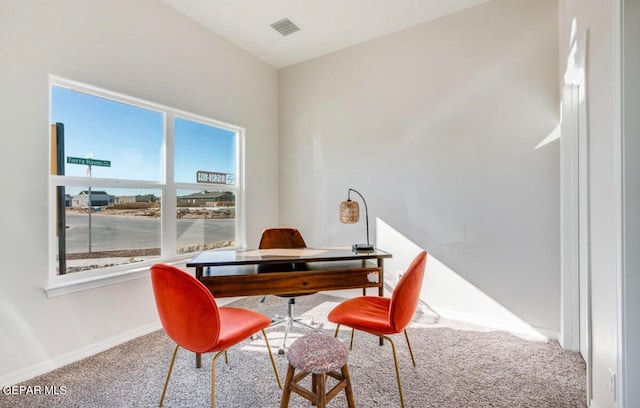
(98, 199)
(140, 198)
(67, 200)
(146, 198)
(208, 198)
(226, 197)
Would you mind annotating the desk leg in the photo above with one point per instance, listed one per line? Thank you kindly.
(199, 270)
(381, 287)
(364, 265)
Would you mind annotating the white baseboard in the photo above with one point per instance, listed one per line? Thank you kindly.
(76, 355)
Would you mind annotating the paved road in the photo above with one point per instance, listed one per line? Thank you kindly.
(111, 232)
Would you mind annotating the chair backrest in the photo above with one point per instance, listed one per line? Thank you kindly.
(281, 238)
(187, 309)
(406, 295)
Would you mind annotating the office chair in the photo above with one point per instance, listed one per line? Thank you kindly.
(191, 317)
(287, 238)
(384, 316)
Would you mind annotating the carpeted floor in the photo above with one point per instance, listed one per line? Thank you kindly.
(458, 366)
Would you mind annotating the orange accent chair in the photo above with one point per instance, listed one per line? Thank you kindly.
(384, 316)
(191, 317)
(287, 238)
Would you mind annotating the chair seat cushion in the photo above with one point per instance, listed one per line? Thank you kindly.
(365, 313)
(317, 354)
(238, 324)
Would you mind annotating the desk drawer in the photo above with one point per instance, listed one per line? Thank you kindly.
(295, 282)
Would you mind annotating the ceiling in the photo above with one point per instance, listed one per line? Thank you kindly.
(325, 25)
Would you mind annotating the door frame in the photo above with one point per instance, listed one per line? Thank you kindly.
(627, 126)
(574, 208)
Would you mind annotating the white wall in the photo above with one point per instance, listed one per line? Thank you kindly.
(140, 48)
(440, 128)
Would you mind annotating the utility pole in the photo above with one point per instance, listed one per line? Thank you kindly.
(89, 204)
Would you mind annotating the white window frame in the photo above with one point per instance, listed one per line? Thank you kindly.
(78, 281)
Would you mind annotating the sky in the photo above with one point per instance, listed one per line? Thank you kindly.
(131, 138)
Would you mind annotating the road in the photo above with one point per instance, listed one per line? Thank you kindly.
(112, 232)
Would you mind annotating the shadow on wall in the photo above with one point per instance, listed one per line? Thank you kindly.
(446, 292)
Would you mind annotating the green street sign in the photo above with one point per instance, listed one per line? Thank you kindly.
(88, 162)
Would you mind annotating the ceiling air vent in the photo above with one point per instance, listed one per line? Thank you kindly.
(285, 26)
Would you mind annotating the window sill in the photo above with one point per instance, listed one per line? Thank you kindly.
(78, 284)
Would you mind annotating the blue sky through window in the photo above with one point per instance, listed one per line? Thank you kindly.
(202, 147)
(130, 137)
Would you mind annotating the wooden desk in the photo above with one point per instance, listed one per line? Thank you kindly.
(250, 272)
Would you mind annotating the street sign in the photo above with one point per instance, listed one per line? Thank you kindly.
(215, 178)
(88, 162)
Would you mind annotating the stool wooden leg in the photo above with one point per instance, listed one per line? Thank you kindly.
(321, 394)
(314, 387)
(286, 392)
(351, 402)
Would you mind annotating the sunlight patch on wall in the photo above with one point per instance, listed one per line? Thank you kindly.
(554, 135)
(446, 292)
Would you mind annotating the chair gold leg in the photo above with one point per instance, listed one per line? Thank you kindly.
(351, 342)
(395, 361)
(273, 362)
(406, 335)
(213, 377)
(166, 382)
(352, 333)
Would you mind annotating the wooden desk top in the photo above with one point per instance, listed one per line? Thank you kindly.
(276, 256)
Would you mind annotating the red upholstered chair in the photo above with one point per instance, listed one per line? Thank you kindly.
(383, 316)
(191, 317)
(284, 238)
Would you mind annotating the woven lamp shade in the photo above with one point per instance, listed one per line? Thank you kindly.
(349, 212)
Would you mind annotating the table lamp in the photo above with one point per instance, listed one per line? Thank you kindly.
(350, 214)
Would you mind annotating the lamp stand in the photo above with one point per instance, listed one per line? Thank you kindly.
(368, 247)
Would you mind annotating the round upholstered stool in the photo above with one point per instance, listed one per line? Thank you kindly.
(321, 356)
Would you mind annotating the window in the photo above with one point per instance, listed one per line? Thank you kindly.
(133, 183)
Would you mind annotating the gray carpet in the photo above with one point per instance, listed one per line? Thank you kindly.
(458, 366)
